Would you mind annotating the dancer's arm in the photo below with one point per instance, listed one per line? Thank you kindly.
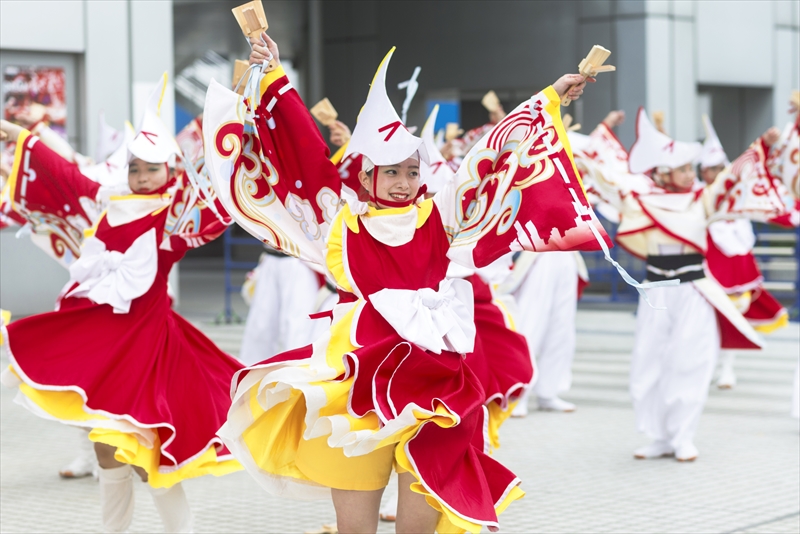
(518, 188)
(745, 188)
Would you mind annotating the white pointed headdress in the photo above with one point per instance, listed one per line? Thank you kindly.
(153, 142)
(654, 149)
(379, 134)
(713, 154)
(436, 172)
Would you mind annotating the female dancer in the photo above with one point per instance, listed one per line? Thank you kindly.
(387, 386)
(114, 357)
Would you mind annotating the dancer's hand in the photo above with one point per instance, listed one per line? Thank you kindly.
(571, 85)
(771, 136)
(340, 133)
(11, 130)
(614, 118)
(260, 51)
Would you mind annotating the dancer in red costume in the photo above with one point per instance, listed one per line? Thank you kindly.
(115, 357)
(387, 385)
(730, 258)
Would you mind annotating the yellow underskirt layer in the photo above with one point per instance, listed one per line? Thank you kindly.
(498, 416)
(68, 407)
(275, 439)
(777, 324)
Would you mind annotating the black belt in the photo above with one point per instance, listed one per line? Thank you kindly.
(683, 267)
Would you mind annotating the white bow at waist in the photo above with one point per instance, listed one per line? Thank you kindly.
(115, 278)
(434, 320)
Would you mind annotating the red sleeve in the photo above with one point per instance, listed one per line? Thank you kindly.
(191, 223)
(292, 143)
(41, 181)
(52, 195)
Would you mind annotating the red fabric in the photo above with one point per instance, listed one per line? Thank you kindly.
(149, 364)
(764, 307)
(51, 194)
(295, 148)
(348, 169)
(501, 359)
(546, 206)
(582, 285)
(732, 272)
(390, 373)
(731, 337)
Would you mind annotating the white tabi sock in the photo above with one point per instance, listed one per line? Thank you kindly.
(116, 498)
(173, 508)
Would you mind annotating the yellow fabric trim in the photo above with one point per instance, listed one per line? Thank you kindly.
(425, 210)
(161, 96)
(777, 324)
(498, 416)
(270, 78)
(553, 107)
(339, 154)
(130, 451)
(68, 407)
(334, 258)
(5, 318)
(509, 318)
(11, 183)
(375, 212)
(89, 232)
(275, 438)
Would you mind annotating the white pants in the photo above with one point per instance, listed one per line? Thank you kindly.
(547, 301)
(674, 356)
(796, 393)
(285, 295)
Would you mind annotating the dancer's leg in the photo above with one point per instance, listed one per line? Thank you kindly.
(116, 490)
(173, 508)
(414, 514)
(357, 511)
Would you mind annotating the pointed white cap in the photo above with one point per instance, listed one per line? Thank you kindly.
(436, 173)
(379, 134)
(153, 142)
(713, 154)
(108, 139)
(654, 149)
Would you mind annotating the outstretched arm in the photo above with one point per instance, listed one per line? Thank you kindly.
(518, 188)
(268, 161)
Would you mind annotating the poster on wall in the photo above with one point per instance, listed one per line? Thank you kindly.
(32, 95)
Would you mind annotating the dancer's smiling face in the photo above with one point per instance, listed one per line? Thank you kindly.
(396, 183)
(145, 177)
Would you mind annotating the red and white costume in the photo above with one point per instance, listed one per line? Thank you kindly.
(501, 358)
(676, 348)
(387, 384)
(784, 164)
(730, 258)
(285, 295)
(546, 288)
(115, 358)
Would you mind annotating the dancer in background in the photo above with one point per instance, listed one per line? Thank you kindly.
(116, 358)
(60, 238)
(730, 258)
(665, 223)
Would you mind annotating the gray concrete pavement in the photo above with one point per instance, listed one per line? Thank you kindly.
(577, 468)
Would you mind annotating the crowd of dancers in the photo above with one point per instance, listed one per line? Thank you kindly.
(413, 294)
